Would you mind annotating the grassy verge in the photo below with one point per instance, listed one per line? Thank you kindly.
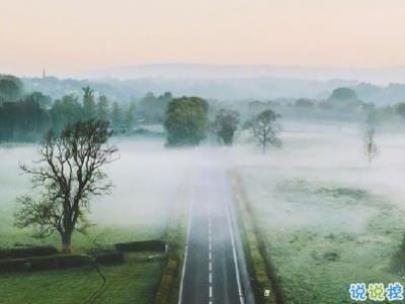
(132, 282)
(260, 267)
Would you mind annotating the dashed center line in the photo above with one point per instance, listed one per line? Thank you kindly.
(210, 289)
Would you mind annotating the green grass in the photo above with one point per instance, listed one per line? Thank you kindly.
(132, 282)
(97, 237)
(324, 235)
(133, 212)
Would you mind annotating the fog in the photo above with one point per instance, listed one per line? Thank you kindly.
(319, 183)
(329, 218)
(146, 177)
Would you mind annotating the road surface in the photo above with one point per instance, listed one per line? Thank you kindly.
(214, 269)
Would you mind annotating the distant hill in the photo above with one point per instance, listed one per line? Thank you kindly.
(223, 83)
(380, 76)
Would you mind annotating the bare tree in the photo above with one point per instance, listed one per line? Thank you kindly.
(264, 129)
(370, 147)
(69, 174)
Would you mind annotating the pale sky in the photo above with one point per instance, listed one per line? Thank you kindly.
(67, 36)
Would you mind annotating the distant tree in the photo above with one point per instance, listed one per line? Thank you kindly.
(186, 121)
(70, 174)
(370, 146)
(117, 117)
(103, 108)
(148, 107)
(343, 94)
(153, 108)
(44, 101)
(22, 121)
(304, 103)
(225, 124)
(66, 111)
(11, 88)
(89, 105)
(400, 109)
(264, 129)
(130, 117)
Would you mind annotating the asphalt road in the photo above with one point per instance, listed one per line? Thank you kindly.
(214, 269)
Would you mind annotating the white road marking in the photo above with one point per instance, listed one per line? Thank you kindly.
(183, 272)
(242, 301)
(210, 292)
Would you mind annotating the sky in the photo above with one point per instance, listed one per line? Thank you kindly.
(69, 36)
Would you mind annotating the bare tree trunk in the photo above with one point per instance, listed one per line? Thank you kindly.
(67, 242)
(264, 144)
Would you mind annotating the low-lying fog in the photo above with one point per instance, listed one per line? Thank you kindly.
(147, 175)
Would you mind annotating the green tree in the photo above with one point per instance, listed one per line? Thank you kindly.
(304, 103)
(89, 105)
(225, 124)
(66, 111)
(130, 117)
(186, 121)
(264, 129)
(44, 101)
(69, 175)
(400, 109)
(22, 121)
(153, 108)
(11, 88)
(343, 94)
(117, 117)
(103, 108)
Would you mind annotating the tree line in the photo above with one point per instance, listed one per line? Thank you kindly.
(26, 117)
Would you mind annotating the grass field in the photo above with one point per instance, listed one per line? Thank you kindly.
(132, 282)
(328, 218)
(146, 177)
(146, 180)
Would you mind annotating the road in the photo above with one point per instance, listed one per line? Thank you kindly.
(214, 269)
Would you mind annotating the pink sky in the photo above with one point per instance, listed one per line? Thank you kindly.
(68, 36)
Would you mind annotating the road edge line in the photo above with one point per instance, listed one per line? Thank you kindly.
(184, 266)
(235, 257)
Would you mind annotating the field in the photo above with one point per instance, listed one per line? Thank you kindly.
(329, 219)
(129, 283)
(146, 180)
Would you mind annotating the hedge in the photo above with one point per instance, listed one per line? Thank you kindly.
(154, 245)
(55, 262)
(17, 253)
(59, 262)
(16, 265)
(110, 258)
